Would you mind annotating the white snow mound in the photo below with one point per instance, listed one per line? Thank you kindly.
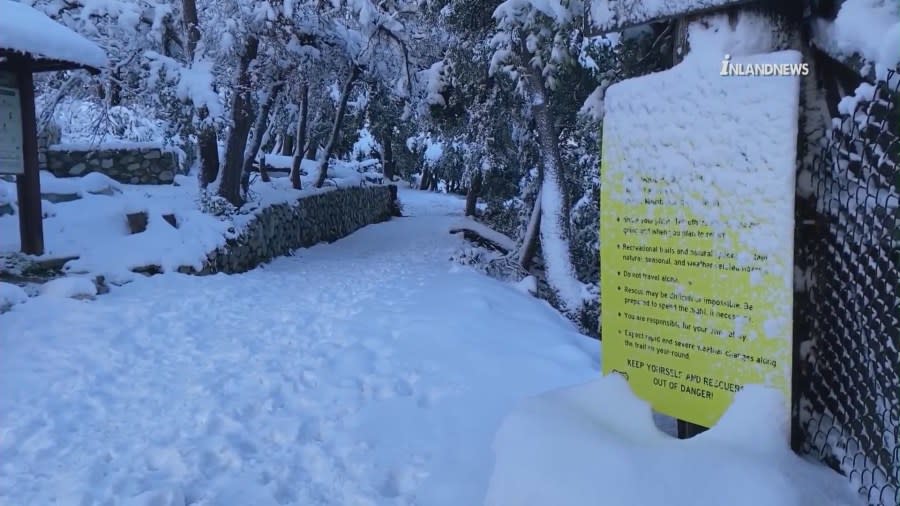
(596, 443)
(69, 287)
(11, 295)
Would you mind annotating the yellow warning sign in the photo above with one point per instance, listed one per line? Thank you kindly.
(697, 246)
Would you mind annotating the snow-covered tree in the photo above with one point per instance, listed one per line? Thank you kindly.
(533, 45)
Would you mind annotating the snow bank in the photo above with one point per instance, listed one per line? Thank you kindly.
(95, 227)
(91, 183)
(596, 443)
(26, 30)
(69, 287)
(7, 193)
(528, 285)
(11, 295)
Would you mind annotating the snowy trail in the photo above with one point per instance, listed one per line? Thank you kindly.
(365, 372)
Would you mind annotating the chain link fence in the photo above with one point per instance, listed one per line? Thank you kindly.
(847, 311)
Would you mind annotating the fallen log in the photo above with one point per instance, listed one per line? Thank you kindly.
(474, 236)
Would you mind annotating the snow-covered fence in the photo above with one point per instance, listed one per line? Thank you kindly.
(130, 163)
(847, 310)
(323, 217)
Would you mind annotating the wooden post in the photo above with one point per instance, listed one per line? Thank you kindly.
(687, 430)
(28, 185)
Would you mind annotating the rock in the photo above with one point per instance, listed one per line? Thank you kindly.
(153, 155)
(170, 219)
(100, 283)
(6, 209)
(137, 222)
(57, 198)
(107, 164)
(133, 167)
(108, 191)
(78, 169)
(148, 270)
(47, 267)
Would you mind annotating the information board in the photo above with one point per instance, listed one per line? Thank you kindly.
(11, 154)
(697, 205)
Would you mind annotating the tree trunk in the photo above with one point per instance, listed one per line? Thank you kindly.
(426, 179)
(336, 127)
(230, 187)
(276, 147)
(312, 148)
(554, 202)
(115, 89)
(266, 142)
(287, 148)
(207, 139)
(472, 194)
(259, 128)
(191, 26)
(387, 154)
(532, 234)
(264, 171)
(301, 136)
(208, 148)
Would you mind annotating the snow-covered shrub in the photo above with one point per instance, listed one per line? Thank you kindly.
(213, 204)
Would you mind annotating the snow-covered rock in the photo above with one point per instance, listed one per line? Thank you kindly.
(71, 287)
(11, 295)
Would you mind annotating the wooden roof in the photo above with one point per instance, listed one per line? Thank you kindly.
(11, 60)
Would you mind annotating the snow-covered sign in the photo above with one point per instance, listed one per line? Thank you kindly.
(612, 15)
(28, 31)
(697, 206)
(11, 157)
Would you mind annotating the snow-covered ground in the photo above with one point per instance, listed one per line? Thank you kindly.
(368, 371)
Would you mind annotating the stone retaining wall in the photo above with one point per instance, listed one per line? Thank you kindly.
(282, 228)
(137, 165)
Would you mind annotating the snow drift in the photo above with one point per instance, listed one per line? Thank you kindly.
(596, 444)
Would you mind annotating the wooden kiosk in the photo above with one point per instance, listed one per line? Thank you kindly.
(31, 42)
